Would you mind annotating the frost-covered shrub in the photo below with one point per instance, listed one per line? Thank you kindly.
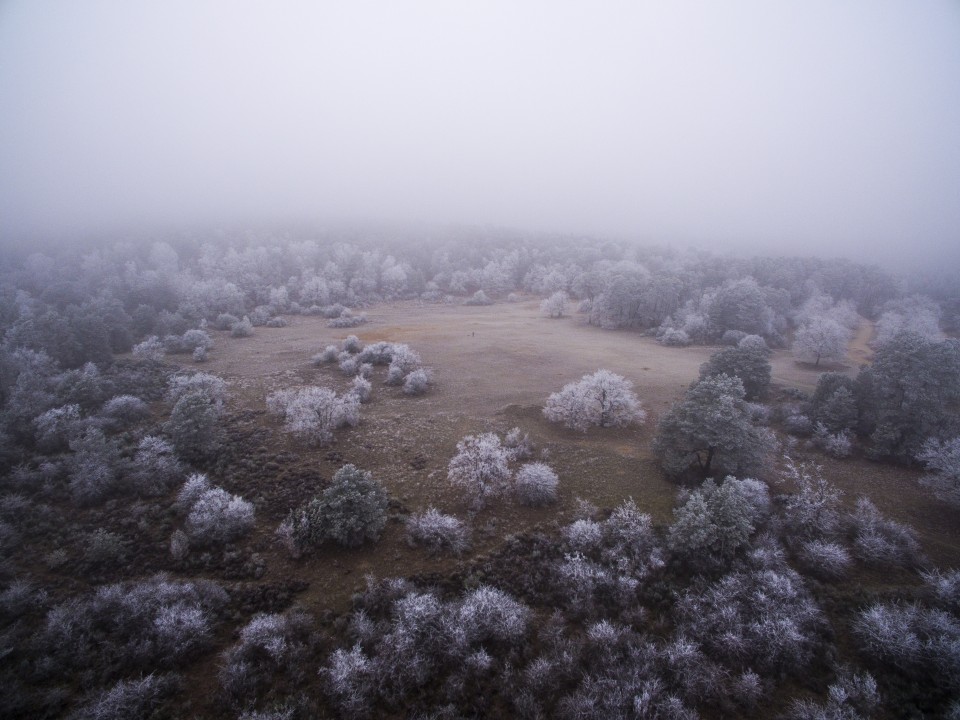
(103, 548)
(57, 427)
(763, 619)
(360, 388)
(215, 388)
(922, 643)
(270, 644)
(242, 328)
(583, 535)
(813, 511)
(403, 361)
(225, 321)
(155, 468)
(535, 485)
(518, 444)
(328, 355)
(942, 460)
(603, 398)
(488, 614)
(798, 424)
(314, 413)
(352, 344)
(630, 544)
(732, 337)
(150, 349)
(179, 545)
(191, 490)
(672, 337)
(826, 559)
(438, 532)
(853, 697)
(378, 353)
(347, 320)
(127, 699)
(351, 511)
(882, 541)
(94, 467)
(582, 581)
(348, 679)
(417, 382)
(838, 444)
(200, 355)
(261, 315)
(146, 625)
(348, 364)
(217, 517)
(125, 409)
(946, 588)
(193, 339)
(480, 467)
(478, 298)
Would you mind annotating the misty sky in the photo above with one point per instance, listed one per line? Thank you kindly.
(812, 126)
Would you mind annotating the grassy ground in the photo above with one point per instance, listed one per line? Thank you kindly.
(494, 367)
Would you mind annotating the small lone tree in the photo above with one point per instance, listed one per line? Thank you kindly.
(480, 466)
(711, 431)
(821, 338)
(349, 512)
(555, 306)
(603, 399)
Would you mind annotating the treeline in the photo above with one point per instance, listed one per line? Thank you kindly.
(80, 306)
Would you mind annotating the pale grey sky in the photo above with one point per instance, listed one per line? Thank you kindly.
(815, 126)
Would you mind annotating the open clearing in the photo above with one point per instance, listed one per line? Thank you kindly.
(493, 368)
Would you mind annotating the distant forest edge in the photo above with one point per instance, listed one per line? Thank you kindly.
(81, 306)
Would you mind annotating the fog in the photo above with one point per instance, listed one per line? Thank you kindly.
(815, 127)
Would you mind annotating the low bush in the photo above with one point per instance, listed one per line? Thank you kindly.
(438, 532)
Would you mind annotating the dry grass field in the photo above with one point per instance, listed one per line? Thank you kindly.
(493, 368)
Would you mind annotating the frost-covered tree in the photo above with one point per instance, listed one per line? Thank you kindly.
(480, 466)
(155, 467)
(749, 361)
(603, 399)
(194, 426)
(821, 338)
(217, 517)
(556, 305)
(942, 460)
(711, 431)
(314, 413)
(907, 394)
(714, 523)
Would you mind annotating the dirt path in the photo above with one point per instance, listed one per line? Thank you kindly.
(859, 352)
